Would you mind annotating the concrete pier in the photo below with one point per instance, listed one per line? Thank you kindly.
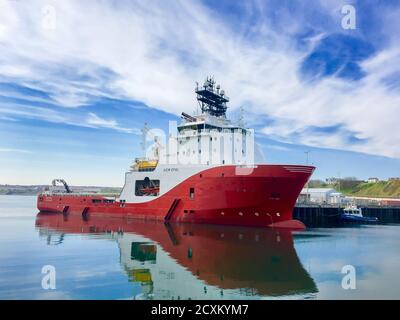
(328, 216)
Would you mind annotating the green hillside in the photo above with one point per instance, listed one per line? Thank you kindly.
(353, 187)
(379, 189)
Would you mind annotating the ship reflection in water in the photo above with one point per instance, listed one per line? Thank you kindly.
(184, 261)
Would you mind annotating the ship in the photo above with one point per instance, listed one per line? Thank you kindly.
(174, 261)
(204, 171)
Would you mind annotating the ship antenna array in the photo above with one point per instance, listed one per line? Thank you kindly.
(212, 98)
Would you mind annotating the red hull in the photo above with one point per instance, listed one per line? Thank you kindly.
(265, 197)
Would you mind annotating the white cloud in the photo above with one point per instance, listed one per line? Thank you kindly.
(14, 150)
(7, 118)
(96, 121)
(58, 116)
(157, 51)
(33, 112)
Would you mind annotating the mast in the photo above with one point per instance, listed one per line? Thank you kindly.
(145, 130)
(212, 98)
(241, 117)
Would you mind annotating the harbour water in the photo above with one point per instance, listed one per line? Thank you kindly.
(97, 258)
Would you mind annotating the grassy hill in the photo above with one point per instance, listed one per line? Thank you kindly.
(389, 189)
(353, 187)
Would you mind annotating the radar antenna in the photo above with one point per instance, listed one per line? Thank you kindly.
(211, 98)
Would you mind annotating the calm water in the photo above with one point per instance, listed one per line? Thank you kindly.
(128, 259)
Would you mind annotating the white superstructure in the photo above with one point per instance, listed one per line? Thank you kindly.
(200, 142)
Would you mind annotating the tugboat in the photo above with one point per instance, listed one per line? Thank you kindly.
(353, 214)
(205, 173)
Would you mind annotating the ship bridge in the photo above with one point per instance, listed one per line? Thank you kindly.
(211, 138)
(208, 138)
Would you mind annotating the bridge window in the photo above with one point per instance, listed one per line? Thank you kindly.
(191, 193)
(275, 196)
(147, 187)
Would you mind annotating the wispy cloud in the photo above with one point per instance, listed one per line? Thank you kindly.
(7, 118)
(277, 147)
(14, 150)
(61, 116)
(96, 121)
(154, 52)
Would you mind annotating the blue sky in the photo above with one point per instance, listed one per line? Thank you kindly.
(79, 79)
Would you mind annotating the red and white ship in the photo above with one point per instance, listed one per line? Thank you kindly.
(205, 173)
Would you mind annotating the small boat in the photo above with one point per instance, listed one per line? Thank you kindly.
(353, 214)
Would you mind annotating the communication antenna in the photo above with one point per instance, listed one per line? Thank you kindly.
(197, 106)
(307, 154)
(241, 117)
(145, 130)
